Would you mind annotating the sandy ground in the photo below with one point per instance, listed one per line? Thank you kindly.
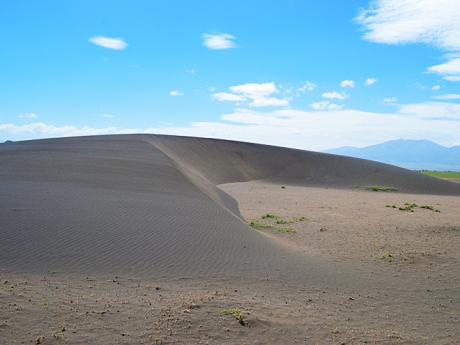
(411, 295)
(93, 310)
(358, 226)
(95, 233)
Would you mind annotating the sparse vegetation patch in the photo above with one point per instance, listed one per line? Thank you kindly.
(381, 188)
(283, 221)
(276, 223)
(410, 207)
(269, 216)
(386, 256)
(286, 230)
(257, 225)
(237, 314)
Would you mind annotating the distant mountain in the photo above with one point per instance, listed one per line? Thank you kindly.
(410, 154)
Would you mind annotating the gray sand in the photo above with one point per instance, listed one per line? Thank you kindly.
(141, 239)
(147, 205)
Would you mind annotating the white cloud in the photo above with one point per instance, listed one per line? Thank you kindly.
(108, 42)
(316, 130)
(432, 110)
(108, 116)
(450, 96)
(219, 41)
(268, 102)
(370, 81)
(335, 95)
(452, 78)
(436, 87)
(326, 105)
(449, 70)
(307, 86)
(259, 95)
(175, 93)
(347, 83)
(40, 130)
(226, 96)
(253, 90)
(413, 21)
(390, 100)
(28, 116)
(434, 22)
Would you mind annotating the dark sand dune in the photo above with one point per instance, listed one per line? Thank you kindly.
(149, 205)
(223, 161)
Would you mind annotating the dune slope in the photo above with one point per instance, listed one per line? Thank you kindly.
(150, 205)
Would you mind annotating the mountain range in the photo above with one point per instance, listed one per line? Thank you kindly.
(410, 154)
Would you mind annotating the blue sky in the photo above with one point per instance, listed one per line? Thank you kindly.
(306, 74)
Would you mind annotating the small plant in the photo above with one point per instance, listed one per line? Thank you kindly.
(282, 221)
(408, 207)
(381, 188)
(429, 207)
(269, 216)
(387, 256)
(237, 314)
(276, 223)
(257, 225)
(285, 230)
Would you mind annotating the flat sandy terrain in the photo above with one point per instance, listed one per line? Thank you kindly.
(153, 240)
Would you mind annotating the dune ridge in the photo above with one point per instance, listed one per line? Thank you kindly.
(150, 204)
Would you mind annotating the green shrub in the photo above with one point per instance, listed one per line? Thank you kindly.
(237, 314)
(381, 188)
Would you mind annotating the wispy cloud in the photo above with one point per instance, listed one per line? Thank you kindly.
(175, 93)
(390, 100)
(28, 116)
(316, 129)
(40, 129)
(449, 71)
(432, 111)
(226, 96)
(108, 116)
(219, 41)
(109, 42)
(258, 94)
(436, 87)
(326, 105)
(450, 96)
(268, 102)
(413, 21)
(417, 21)
(335, 95)
(347, 83)
(307, 86)
(370, 81)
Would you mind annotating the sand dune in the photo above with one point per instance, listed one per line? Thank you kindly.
(223, 161)
(150, 204)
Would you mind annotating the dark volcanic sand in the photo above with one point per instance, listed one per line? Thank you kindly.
(103, 221)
